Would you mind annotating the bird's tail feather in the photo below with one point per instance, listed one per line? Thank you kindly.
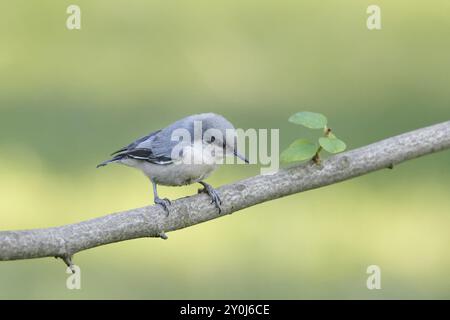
(104, 163)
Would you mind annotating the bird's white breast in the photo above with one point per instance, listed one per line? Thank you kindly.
(195, 165)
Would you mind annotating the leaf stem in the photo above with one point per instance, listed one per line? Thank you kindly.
(316, 158)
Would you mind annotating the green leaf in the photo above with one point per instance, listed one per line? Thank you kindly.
(332, 144)
(299, 150)
(310, 120)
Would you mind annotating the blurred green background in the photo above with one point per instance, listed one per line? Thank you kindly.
(69, 98)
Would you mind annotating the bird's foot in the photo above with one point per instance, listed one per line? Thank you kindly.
(215, 198)
(164, 203)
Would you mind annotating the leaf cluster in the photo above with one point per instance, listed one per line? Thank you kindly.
(303, 149)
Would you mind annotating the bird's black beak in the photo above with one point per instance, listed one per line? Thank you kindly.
(237, 154)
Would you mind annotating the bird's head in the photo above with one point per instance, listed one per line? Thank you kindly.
(220, 133)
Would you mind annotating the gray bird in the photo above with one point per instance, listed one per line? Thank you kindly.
(167, 161)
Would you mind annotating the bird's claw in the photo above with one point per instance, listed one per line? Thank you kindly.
(215, 198)
(164, 203)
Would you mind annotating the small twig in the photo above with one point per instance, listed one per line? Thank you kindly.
(68, 261)
(163, 236)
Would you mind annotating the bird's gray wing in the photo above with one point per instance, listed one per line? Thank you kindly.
(133, 145)
(148, 148)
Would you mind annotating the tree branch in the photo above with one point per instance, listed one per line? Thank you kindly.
(151, 221)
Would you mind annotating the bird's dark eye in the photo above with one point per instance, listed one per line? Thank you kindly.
(213, 139)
